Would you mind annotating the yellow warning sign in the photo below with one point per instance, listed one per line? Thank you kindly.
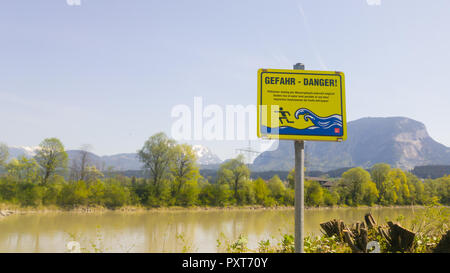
(301, 105)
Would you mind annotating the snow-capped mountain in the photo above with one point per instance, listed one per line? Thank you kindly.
(205, 156)
(17, 151)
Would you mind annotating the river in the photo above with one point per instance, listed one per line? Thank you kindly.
(164, 231)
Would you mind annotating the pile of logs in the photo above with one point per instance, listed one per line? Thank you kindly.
(399, 239)
(355, 236)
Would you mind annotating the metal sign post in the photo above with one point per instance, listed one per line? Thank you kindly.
(299, 146)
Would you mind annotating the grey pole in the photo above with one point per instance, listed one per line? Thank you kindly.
(299, 186)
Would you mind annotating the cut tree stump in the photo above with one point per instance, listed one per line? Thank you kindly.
(400, 238)
(355, 236)
(370, 222)
(444, 244)
(349, 238)
(360, 237)
(334, 227)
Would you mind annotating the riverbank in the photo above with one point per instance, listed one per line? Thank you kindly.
(5, 213)
(7, 210)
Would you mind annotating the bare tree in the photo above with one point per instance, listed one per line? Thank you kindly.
(84, 160)
(80, 164)
(4, 153)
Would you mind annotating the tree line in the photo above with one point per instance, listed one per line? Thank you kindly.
(172, 178)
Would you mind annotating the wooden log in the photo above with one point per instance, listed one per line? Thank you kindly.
(402, 239)
(349, 239)
(384, 232)
(444, 244)
(360, 236)
(363, 239)
(370, 221)
(341, 228)
(333, 227)
(328, 227)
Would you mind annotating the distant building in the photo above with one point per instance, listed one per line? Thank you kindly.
(324, 182)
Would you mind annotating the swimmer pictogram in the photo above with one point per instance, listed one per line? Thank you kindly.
(283, 115)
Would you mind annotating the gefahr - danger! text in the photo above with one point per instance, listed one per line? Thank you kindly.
(306, 81)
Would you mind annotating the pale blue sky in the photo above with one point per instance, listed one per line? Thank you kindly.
(108, 72)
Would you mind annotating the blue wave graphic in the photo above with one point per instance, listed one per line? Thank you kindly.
(320, 122)
(323, 126)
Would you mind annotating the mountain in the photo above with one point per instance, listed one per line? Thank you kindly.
(17, 151)
(130, 161)
(127, 161)
(398, 141)
(120, 162)
(205, 156)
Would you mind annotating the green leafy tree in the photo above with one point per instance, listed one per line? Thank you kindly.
(261, 190)
(185, 173)
(157, 155)
(81, 193)
(52, 158)
(389, 194)
(314, 194)
(444, 193)
(439, 189)
(206, 196)
(420, 192)
(23, 169)
(52, 190)
(216, 194)
(116, 196)
(370, 193)
(29, 194)
(330, 198)
(92, 174)
(277, 188)
(8, 190)
(234, 172)
(379, 173)
(352, 185)
(74, 194)
(246, 193)
(291, 179)
(396, 181)
(188, 194)
(416, 189)
(97, 192)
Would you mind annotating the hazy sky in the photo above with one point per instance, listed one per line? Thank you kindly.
(108, 72)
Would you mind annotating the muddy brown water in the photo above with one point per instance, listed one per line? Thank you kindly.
(167, 231)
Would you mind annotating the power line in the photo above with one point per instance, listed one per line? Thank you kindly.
(249, 152)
